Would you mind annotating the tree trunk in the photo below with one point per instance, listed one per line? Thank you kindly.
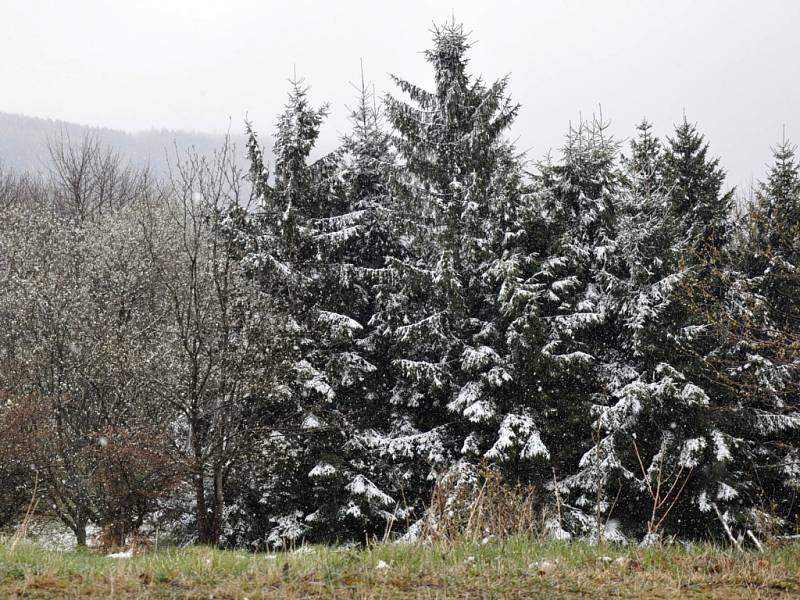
(219, 506)
(201, 512)
(80, 532)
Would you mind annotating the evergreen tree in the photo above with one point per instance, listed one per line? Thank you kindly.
(776, 218)
(645, 164)
(673, 440)
(760, 321)
(455, 397)
(320, 246)
(355, 490)
(639, 387)
(665, 448)
(576, 304)
(280, 253)
(702, 209)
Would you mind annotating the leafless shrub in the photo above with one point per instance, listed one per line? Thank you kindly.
(22, 530)
(133, 472)
(664, 488)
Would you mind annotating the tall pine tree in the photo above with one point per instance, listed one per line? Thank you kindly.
(455, 396)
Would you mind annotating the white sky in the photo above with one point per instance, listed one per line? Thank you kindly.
(733, 66)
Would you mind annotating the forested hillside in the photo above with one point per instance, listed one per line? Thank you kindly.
(313, 350)
(25, 143)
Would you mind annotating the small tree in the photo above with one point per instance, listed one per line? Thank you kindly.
(216, 327)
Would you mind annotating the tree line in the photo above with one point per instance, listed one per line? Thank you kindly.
(303, 351)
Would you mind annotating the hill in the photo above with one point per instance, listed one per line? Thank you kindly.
(23, 142)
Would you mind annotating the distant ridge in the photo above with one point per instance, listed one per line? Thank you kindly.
(23, 142)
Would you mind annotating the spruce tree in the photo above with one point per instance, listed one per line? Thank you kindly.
(281, 254)
(578, 198)
(638, 387)
(664, 449)
(672, 429)
(776, 218)
(355, 490)
(320, 246)
(695, 181)
(760, 319)
(455, 397)
(644, 166)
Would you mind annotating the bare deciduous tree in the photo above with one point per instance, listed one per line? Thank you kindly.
(219, 328)
(91, 178)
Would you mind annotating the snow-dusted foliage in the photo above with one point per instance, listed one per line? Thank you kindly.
(694, 182)
(397, 315)
(329, 226)
(628, 345)
(577, 304)
(465, 268)
(759, 317)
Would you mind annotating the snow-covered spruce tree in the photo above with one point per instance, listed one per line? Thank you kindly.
(644, 164)
(639, 394)
(319, 247)
(577, 198)
(721, 486)
(759, 320)
(647, 394)
(356, 490)
(278, 251)
(455, 397)
(776, 357)
(695, 185)
(663, 438)
(775, 222)
(671, 430)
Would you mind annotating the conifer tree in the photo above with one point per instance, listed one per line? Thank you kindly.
(280, 253)
(578, 196)
(673, 435)
(355, 490)
(664, 448)
(455, 396)
(759, 321)
(638, 387)
(777, 223)
(776, 218)
(703, 210)
(645, 163)
(321, 246)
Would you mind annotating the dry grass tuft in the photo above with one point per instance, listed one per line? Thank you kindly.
(474, 505)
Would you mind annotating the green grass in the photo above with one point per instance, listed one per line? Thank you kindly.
(496, 570)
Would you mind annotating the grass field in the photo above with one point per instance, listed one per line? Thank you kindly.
(513, 569)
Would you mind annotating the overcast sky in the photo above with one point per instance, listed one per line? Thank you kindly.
(733, 66)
